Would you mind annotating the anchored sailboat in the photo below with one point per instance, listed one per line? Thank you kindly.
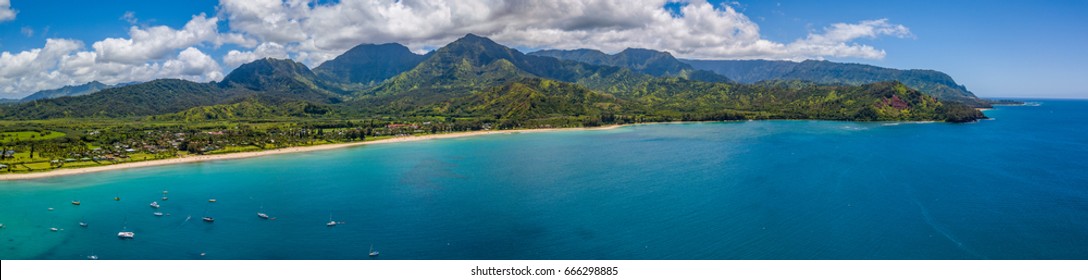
(372, 252)
(331, 222)
(261, 214)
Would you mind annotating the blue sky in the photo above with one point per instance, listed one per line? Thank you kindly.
(995, 48)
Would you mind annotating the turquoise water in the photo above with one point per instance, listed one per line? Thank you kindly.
(1011, 188)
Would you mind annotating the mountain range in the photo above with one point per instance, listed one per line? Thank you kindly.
(76, 90)
(658, 63)
(475, 77)
(931, 82)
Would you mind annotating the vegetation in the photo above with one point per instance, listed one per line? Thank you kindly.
(37, 135)
(471, 84)
(367, 65)
(84, 89)
(651, 62)
(928, 81)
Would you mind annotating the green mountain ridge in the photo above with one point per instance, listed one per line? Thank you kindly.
(368, 64)
(150, 98)
(474, 62)
(663, 64)
(931, 82)
(476, 78)
(651, 62)
(76, 90)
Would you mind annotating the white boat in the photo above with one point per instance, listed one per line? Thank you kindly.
(208, 219)
(262, 215)
(157, 214)
(155, 204)
(53, 229)
(126, 235)
(372, 252)
(212, 200)
(1, 225)
(82, 224)
(92, 257)
(331, 222)
(165, 198)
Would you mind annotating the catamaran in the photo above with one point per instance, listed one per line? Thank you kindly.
(155, 204)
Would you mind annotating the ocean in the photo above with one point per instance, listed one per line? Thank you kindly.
(1015, 187)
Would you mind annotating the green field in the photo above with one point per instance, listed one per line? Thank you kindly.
(13, 136)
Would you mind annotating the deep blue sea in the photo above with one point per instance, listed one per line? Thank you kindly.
(1015, 187)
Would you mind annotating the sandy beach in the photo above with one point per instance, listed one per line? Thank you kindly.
(200, 158)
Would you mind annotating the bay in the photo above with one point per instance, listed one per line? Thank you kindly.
(1014, 187)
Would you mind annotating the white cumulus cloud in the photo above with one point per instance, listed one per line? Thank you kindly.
(312, 32)
(150, 53)
(66, 62)
(268, 49)
(156, 42)
(6, 12)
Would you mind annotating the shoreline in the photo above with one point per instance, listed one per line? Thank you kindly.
(288, 150)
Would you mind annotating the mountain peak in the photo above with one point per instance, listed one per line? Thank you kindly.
(275, 62)
(478, 50)
(269, 62)
(473, 39)
(366, 64)
(471, 36)
(267, 73)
